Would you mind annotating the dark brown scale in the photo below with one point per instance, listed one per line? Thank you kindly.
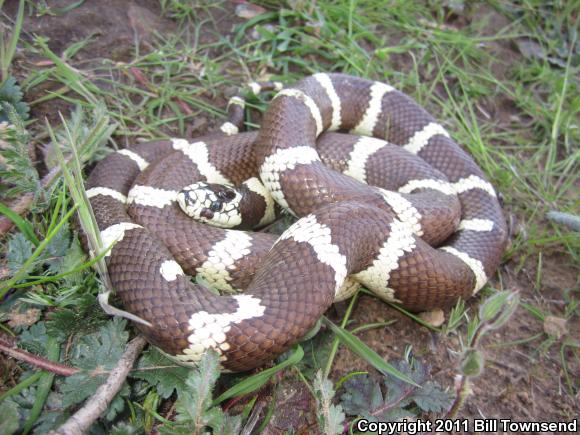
(252, 208)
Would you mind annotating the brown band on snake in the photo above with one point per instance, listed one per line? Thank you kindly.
(350, 228)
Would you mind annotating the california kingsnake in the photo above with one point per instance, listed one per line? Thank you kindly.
(380, 238)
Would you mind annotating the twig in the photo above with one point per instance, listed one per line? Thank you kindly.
(462, 391)
(566, 219)
(23, 203)
(83, 419)
(35, 360)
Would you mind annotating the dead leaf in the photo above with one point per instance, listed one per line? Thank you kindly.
(555, 326)
(26, 318)
(530, 49)
(249, 11)
(434, 317)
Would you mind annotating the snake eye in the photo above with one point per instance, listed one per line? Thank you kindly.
(227, 194)
(215, 206)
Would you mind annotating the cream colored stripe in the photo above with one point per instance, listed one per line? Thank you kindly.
(199, 154)
(362, 150)
(440, 185)
(106, 192)
(482, 225)
(140, 161)
(222, 257)
(460, 186)
(374, 108)
(318, 236)
(257, 187)
(400, 241)
(115, 233)
(255, 87)
(421, 138)
(151, 196)
(229, 128)
(475, 265)
(404, 210)
(473, 182)
(326, 83)
(279, 162)
(308, 101)
(238, 101)
(170, 270)
(209, 330)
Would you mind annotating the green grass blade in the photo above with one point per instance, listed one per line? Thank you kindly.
(53, 278)
(22, 224)
(252, 383)
(44, 386)
(8, 52)
(7, 285)
(366, 353)
(70, 76)
(21, 386)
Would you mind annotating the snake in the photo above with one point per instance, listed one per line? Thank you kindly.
(384, 198)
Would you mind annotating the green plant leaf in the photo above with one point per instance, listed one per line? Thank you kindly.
(225, 424)
(96, 353)
(124, 428)
(161, 372)
(118, 403)
(19, 250)
(195, 411)
(10, 93)
(497, 309)
(9, 417)
(472, 363)
(432, 398)
(316, 353)
(22, 224)
(364, 396)
(35, 339)
(361, 393)
(330, 416)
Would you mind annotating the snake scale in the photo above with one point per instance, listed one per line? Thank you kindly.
(395, 205)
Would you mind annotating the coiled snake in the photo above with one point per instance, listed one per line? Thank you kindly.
(398, 207)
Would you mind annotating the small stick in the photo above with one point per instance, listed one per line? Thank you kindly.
(83, 419)
(35, 360)
(567, 219)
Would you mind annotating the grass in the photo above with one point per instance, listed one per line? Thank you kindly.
(517, 115)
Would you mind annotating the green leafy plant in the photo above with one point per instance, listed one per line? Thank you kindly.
(17, 171)
(330, 416)
(195, 412)
(494, 312)
(161, 373)
(393, 399)
(95, 354)
(11, 99)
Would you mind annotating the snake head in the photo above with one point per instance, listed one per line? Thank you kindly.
(214, 204)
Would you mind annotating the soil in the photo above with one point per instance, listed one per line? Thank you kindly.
(521, 382)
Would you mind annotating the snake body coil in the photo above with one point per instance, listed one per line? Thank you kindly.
(401, 210)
